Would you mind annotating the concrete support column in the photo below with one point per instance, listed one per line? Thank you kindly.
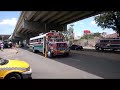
(27, 39)
(20, 42)
(64, 27)
(17, 42)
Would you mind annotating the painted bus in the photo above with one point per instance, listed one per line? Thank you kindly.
(51, 43)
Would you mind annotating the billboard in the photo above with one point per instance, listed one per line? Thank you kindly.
(87, 32)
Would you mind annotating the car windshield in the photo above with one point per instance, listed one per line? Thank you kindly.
(3, 61)
(74, 45)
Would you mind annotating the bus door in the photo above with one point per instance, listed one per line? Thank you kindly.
(44, 44)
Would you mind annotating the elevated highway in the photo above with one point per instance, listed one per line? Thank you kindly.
(31, 23)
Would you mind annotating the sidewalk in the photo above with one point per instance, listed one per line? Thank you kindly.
(8, 53)
(86, 47)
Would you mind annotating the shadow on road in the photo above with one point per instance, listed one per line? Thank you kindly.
(105, 51)
(105, 68)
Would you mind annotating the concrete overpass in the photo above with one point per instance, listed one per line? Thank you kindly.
(31, 23)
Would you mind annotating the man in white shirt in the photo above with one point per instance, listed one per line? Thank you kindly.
(2, 45)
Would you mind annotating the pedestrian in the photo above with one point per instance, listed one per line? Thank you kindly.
(2, 46)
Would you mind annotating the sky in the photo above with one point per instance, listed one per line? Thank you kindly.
(8, 20)
(88, 24)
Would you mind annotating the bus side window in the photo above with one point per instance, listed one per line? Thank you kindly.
(41, 39)
(37, 40)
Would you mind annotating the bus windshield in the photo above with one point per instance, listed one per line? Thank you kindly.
(56, 38)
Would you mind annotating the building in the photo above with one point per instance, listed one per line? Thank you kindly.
(4, 37)
(114, 35)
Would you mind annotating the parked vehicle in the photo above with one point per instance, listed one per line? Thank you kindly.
(0, 45)
(108, 43)
(10, 44)
(76, 47)
(6, 45)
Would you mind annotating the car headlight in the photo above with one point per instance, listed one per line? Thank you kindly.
(28, 69)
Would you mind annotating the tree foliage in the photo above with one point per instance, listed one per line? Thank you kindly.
(68, 34)
(97, 34)
(91, 36)
(109, 19)
(88, 36)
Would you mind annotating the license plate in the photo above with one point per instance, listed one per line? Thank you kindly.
(62, 51)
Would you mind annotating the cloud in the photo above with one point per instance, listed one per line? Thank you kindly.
(93, 23)
(10, 22)
(109, 31)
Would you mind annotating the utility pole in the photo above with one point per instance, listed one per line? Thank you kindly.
(71, 33)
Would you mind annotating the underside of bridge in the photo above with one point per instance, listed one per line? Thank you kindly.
(31, 23)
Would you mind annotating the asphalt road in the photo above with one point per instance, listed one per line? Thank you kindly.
(76, 66)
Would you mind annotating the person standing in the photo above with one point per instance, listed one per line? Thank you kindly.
(2, 46)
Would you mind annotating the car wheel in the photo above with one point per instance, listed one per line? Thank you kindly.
(14, 76)
(97, 48)
(102, 49)
(81, 48)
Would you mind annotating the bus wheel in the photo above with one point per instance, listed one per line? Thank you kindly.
(66, 54)
(97, 48)
(34, 50)
(50, 54)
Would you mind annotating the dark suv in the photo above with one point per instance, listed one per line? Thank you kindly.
(76, 47)
(5, 44)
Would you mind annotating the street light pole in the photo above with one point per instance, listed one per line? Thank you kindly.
(71, 34)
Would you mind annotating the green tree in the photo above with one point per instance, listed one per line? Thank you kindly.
(69, 33)
(97, 34)
(87, 37)
(109, 19)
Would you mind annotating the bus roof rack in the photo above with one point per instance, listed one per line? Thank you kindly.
(52, 30)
